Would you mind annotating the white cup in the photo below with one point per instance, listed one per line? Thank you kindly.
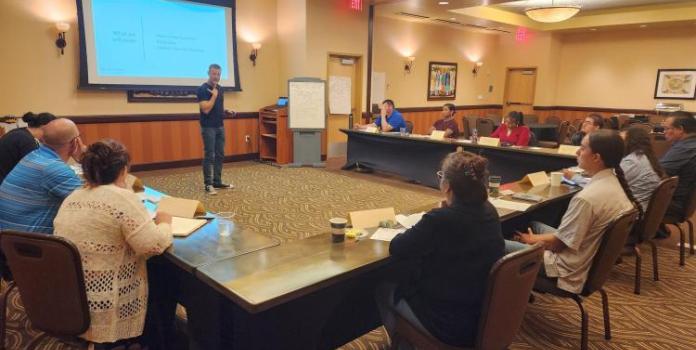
(556, 177)
(225, 223)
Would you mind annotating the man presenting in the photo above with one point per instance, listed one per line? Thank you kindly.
(211, 103)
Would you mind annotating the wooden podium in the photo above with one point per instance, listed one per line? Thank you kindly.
(275, 139)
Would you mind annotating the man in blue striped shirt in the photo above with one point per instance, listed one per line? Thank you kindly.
(33, 191)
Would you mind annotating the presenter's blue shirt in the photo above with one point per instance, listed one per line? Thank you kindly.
(396, 120)
(34, 190)
(214, 118)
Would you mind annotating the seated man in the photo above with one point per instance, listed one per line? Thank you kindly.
(513, 131)
(593, 122)
(680, 159)
(447, 123)
(389, 120)
(571, 248)
(34, 190)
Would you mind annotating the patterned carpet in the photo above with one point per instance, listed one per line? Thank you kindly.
(297, 203)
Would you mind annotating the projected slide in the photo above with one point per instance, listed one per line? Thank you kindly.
(157, 42)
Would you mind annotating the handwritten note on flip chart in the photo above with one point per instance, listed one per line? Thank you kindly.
(307, 104)
(339, 94)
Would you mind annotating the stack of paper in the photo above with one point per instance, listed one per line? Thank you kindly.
(182, 227)
(510, 205)
(386, 234)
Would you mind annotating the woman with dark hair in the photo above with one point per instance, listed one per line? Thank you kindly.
(19, 142)
(447, 122)
(571, 248)
(640, 165)
(513, 131)
(115, 236)
(452, 250)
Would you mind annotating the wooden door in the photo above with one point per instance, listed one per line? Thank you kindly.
(346, 66)
(519, 90)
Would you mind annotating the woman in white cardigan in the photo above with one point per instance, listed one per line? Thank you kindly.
(115, 236)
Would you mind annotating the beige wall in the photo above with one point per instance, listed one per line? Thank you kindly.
(36, 77)
(394, 40)
(618, 69)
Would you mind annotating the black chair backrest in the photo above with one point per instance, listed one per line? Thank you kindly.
(530, 119)
(409, 126)
(533, 141)
(553, 120)
(563, 132)
(507, 294)
(466, 130)
(48, 273)
(484, 126)
(613, 240)
(657, 207)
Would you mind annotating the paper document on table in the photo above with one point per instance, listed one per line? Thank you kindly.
(503, 204)
(386, 234)
(182, 227)
(408, 221)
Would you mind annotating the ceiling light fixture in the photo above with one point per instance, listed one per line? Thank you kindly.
(443, 3)
(554, 12)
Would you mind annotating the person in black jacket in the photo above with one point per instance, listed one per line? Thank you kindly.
(19, 142)
(453, 249)
(593, 122)
(680, 159)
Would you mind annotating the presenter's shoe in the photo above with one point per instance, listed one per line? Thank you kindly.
(209, 189)
(223, 186)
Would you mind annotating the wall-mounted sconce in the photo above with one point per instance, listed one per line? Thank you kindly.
(477, 65)
(60, 42)
(409, 64)
(254, 52)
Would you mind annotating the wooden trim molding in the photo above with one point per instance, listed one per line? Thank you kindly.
(439, 108)
(189, 162)
(134, 118)
(596, 109)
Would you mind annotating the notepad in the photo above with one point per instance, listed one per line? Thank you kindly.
(386, 234)
(182, 227)
(409, 221)
(510, 205)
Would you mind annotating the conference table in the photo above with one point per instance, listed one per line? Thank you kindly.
(418, 158)
(310, 293)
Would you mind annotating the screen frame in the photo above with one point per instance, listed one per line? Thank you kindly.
(86, 85)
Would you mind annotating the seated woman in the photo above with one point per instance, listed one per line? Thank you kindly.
(115, 235)
(640, 165)
(19, 142)
(571, 247)
(447, 123)
(453, 248)
(513, 131)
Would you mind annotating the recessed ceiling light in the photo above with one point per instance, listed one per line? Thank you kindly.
(593, 29)
(643, 25)
(443, 3)
(452, 19)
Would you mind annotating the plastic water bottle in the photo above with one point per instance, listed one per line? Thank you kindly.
(474, 136)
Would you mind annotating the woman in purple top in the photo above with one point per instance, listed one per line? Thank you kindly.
(447, 123)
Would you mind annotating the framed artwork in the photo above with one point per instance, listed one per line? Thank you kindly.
(442, 81)
(162, 96)
(677, 84)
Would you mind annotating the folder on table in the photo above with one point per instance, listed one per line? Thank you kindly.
(371, 218)
(182, 227)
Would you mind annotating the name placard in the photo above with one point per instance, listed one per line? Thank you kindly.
(489, 141)
(536, 179)
(568, 150)
(372, 129)
(437, 135)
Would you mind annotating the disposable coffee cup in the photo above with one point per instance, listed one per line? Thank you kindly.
(556, 178)
(338, 233)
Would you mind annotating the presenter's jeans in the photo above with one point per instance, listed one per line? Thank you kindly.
(213, 154)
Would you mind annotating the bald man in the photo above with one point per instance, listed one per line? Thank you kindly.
(33, 191)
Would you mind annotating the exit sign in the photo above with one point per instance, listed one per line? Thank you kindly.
(356, 5)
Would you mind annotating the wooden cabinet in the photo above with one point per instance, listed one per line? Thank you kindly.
(275, 139)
